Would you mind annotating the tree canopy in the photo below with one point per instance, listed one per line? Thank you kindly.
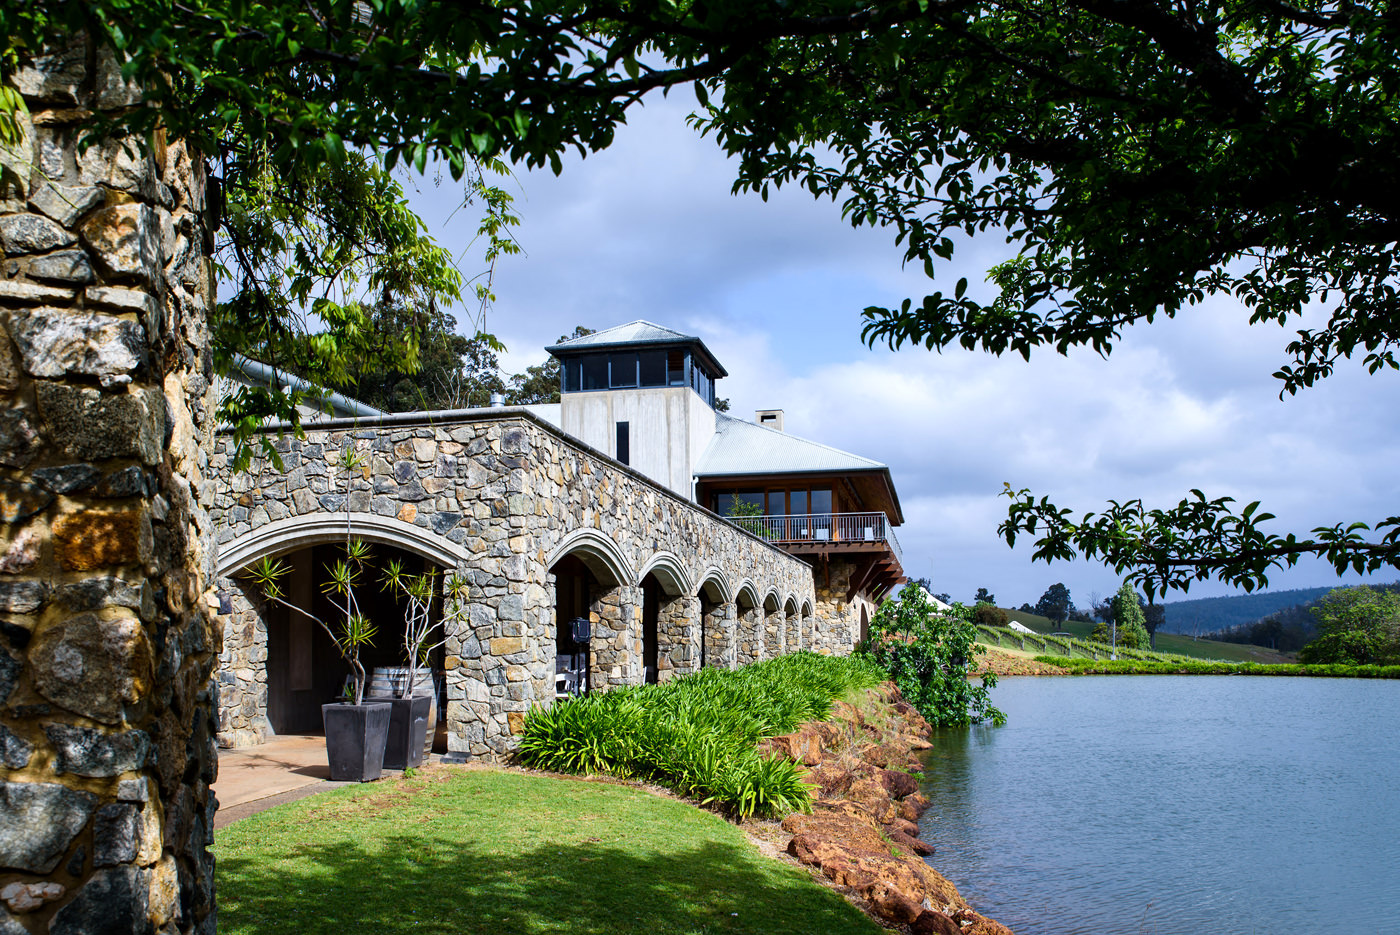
(1135, 157)
(1357, 626)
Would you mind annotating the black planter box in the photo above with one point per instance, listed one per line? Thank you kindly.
(408, 731)
(355, 739)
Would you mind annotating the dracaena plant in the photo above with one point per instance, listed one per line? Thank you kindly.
(352, 630)
(419, 628)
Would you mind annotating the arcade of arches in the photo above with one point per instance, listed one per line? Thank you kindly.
(557, 542)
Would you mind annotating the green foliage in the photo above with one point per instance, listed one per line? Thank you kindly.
(1125, 623)
(930, 655)
(1358, 626)
(1080, 666)
(697, 734)
(989, 615)
(1055, 603)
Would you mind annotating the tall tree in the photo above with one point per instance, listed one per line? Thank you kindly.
(984, 597)
(1357, 626)
(1055, 603)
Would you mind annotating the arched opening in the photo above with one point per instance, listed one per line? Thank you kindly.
(713, 642)
(282, 666)
(575, 588)
(651, 622)
(864, 624)
(794, 626)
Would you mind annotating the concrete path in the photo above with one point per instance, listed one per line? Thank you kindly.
(284, 769)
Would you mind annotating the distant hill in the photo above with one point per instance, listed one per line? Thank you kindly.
(1209, 614)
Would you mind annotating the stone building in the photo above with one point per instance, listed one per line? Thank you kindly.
(582, 509)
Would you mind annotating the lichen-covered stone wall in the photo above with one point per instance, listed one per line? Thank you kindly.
(502, 497)
(107, 741)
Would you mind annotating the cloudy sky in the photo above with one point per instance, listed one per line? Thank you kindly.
(648, 229)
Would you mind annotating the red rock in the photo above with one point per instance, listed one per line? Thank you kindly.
(892, 904)
(898, 784)
(911, 843)
(933, 922)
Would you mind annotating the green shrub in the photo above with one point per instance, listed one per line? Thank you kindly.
(989, 615)
(930, 654)
(697, 734)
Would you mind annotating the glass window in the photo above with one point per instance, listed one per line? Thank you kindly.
(651, 368)
(821, 501)
(675, 367)
(573, 375)
(777, 502)
(595, 372)
(753, 498)
(797, 502)
(624, 369)
(624, 443)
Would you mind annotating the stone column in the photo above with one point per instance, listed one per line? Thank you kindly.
(678, 638)
(107, 638)
(794, 632)
(617, 638)
(721, 648)
(465, 666)
(774, 635)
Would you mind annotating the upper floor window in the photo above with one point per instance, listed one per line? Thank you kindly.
(621, 370)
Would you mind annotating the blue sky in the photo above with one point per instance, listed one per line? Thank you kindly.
(649, 229)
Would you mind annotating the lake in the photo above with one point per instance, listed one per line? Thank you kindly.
(1175, 804)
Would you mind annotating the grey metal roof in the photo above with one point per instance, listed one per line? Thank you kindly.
(637, 333)
(740, 447)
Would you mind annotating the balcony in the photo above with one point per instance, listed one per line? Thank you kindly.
(822, 531)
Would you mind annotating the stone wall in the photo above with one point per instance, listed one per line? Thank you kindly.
(106, 645)
(500, 496)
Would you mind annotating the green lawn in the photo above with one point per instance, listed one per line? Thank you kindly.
(1174, 643)
(459, 851)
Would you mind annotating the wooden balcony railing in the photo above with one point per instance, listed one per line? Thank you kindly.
(822, 527)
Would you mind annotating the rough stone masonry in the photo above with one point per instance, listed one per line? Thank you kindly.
(107, 725)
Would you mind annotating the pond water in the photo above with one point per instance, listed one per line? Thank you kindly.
(1175, 804)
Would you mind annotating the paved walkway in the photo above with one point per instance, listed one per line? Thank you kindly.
(284, 769)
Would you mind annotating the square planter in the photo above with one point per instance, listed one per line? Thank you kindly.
(355, 739)
(408, 731)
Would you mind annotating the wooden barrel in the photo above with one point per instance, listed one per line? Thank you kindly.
(390, 682)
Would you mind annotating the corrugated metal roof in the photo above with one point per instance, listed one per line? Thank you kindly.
(740, 447)
(634, 334)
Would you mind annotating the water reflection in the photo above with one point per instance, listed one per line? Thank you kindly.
(1175, 804)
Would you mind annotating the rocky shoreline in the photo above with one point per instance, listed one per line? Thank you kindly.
(862, 833)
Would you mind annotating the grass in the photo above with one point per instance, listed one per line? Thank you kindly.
(1172, 644)
(454, 850)
(697, 734)
(1081, 666)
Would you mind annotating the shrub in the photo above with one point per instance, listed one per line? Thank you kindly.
(990, 615)
(930, 656)
(698, 734)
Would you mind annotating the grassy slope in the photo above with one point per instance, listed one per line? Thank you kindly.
(1166, 642)
(478, 851)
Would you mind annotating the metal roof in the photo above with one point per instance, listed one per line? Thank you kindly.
(740, 447)
(637, 333)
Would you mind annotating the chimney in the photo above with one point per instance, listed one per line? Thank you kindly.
(497, 400)
(770, 418)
